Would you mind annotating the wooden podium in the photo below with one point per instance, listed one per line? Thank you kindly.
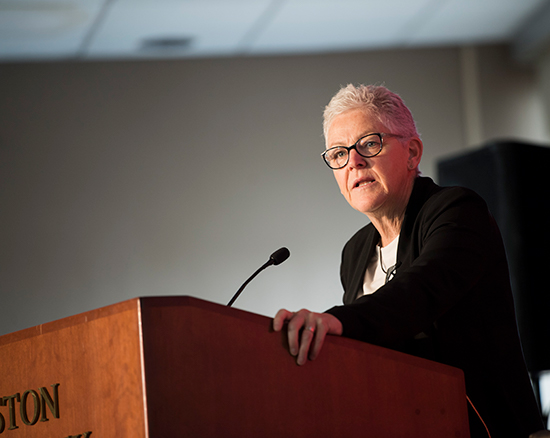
(162, 367)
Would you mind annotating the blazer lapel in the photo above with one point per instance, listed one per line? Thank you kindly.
(365, 255)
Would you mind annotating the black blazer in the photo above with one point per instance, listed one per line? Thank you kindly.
(451, 284)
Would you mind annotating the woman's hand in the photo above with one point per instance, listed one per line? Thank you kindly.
(306, 331)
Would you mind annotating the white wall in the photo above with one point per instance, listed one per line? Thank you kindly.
(513, 105)
(127, 179)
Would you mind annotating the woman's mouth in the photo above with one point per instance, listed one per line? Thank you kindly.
(363, 182)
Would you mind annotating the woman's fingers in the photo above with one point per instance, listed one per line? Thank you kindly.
(306, 331)
(281, 317)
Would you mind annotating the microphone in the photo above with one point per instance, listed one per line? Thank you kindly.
(276, 258)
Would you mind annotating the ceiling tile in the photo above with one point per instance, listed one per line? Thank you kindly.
(215, 26)
(38, 29)
(473, 21)
(303, 25)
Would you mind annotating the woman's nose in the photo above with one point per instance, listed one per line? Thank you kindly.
(356, 160)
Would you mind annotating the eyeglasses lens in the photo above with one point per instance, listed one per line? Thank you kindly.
(368, 146)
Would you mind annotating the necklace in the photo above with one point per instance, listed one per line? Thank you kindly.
(390, 272)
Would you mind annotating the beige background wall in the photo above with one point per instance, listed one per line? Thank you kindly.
(124, 179)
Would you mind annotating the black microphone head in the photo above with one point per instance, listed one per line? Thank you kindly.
(280, 256)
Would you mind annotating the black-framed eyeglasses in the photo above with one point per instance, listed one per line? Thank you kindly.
(368, 146)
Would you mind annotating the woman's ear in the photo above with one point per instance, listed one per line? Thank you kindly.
(416, 148)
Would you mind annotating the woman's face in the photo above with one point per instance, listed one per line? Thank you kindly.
(381, 185)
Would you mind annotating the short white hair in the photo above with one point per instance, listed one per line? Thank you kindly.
(376, 101)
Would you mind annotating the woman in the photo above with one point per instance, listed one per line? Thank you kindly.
(428, 276)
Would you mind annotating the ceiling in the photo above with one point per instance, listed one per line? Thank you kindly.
(151, 29)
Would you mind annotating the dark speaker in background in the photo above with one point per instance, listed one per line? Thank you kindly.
(514, 180)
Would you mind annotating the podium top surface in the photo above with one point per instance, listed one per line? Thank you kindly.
(138, 304)
(131, 304)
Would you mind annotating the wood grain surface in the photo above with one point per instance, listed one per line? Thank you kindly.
(160, 367)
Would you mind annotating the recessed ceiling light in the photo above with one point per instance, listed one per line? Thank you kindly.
(167, 43)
